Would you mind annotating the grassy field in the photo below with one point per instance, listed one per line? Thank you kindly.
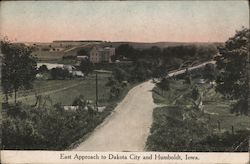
(46, 56)
(65, 91)
(176, 115)
(59, 129)
(215, 106)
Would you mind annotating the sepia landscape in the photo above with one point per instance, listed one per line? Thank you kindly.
(125, 76)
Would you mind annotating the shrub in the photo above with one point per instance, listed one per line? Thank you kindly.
(50, 128)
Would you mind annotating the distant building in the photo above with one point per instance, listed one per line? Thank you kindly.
(82, 57)
(100, 55)
(77, 73)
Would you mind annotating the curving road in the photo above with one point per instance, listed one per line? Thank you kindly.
(127, 128)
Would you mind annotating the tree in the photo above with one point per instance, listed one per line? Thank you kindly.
(160, 71)
(82, 52)
(209, 72)
(59, 73)
(126, 50)
(164, 85)
(18, 69)
(43, 68)
(120, 74)
(86, 66)
(233, 79)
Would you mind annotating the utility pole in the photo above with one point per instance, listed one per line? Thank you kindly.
(96, 85)
(96, 93)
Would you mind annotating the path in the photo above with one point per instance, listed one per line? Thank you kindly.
(127, 128)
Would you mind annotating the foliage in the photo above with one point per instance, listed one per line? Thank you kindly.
(164, 84)
(209, 72)
(59, 73)
(171, 131)
(18, 68)
(183, 128)
(160, 71)
(226, 141)
(126, 50)
(80, 101)
(140, 72)
(233, 79)
(47, 128)
(120, 74)
(69, 57)
(195, 93)
(82, 52)
(86, 66)
(43, 69)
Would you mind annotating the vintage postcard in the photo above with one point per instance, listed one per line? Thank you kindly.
(125, 82)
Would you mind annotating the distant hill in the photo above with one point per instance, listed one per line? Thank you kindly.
(57, 49)
(141, 45)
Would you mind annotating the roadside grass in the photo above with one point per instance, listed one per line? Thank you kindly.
(108, 110)
(216, 108)
(219, 111)
(56, 128)
(65, 91)
(170, 133)
(177, 88)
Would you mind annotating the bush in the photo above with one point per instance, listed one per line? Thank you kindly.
(175, 129)
(226, 141)
(52, 128)
(59, 73)
(43, 69)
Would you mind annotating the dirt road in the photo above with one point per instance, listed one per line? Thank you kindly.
(127, 128)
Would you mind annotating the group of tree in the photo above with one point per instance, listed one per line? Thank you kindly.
(18, 68)
(69, 57)
(173, 55)
(233, 66)
(86, 66)
(47, 127)
(60, 73)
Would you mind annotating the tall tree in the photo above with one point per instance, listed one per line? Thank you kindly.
(233, 80)
(18, 68)
(86, 66)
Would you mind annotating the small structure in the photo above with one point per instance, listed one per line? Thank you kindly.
(100, 55)
(70, 68)
(82, 57)
(77, 73)
(71, 108)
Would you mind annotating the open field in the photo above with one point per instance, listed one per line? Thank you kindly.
(219, 111)
(214, 105)
(47, 56)
(213, 125)
(65, 91)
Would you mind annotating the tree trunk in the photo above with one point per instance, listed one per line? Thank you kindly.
(15, 95)
(248, 79)
(7, 98)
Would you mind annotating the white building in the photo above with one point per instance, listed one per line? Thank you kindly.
(100, 55)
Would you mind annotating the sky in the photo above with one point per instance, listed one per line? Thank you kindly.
(138, 21)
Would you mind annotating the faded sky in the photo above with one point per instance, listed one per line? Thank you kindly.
(183, 21)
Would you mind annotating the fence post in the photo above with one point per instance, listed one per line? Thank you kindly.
(232, 129)
(218, 125)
